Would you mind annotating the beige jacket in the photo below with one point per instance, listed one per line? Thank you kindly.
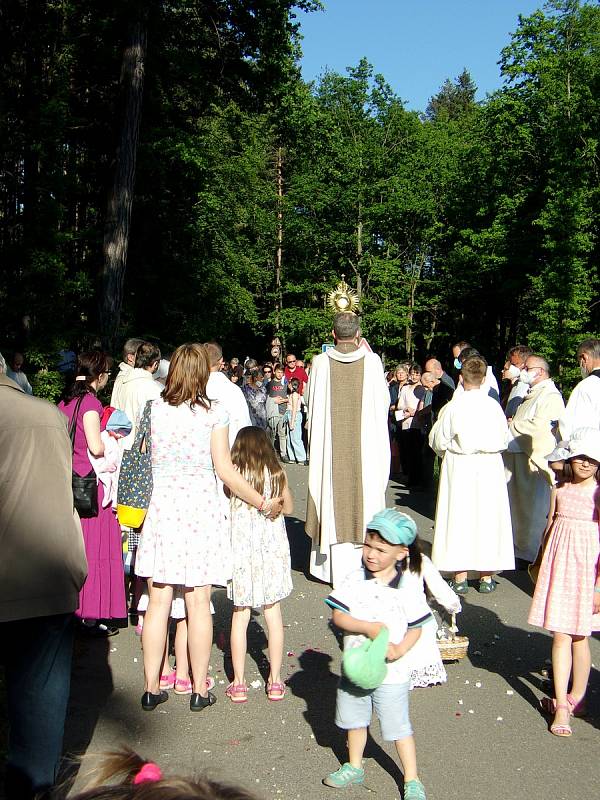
(42, 556)
(531, 426)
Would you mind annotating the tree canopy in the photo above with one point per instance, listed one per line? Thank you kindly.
(252, 192)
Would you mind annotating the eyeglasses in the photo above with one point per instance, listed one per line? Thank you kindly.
(590, 462)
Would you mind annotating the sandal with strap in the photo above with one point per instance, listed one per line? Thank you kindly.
(561, 729)
(185, 687)
(578, 707)
(237, 692)
(168, 681)
(275, 691)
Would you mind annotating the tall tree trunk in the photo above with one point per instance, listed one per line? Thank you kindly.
(120, 198)
(279, 253)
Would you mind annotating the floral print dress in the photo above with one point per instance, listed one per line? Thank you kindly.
(184, 539)
(261, 556)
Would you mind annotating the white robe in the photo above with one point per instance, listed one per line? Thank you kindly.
(330, 560)
(472, 521)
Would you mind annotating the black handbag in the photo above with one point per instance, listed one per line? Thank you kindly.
(85, 487)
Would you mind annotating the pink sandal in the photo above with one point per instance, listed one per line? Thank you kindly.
(578, 707)
(237, 692)
(559, 728)
(167, 681)
(185, 687)
(275, 691)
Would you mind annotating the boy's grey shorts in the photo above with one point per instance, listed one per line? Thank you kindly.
(354, 709)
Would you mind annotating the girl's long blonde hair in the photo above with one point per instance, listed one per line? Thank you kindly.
(252, 453)
(114, 779)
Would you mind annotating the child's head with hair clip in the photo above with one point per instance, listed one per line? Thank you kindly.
(124, 775)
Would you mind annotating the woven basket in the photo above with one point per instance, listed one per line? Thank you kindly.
(456, 647)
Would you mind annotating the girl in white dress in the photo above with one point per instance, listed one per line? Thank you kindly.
(472, 520)
(420, 576)
(261, 559)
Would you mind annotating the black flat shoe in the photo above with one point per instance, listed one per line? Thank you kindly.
(199, 703)
(150, 701)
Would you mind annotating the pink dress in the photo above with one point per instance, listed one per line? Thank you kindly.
(103, 593)
(564, 592)
(184, 540)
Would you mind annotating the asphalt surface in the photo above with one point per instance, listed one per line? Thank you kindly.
(480, 735)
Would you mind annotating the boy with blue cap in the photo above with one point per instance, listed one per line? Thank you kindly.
(367, 602)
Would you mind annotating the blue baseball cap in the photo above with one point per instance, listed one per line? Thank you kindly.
(394, 526)
(119, 422)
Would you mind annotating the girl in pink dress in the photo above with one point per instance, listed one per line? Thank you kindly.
(567, 594)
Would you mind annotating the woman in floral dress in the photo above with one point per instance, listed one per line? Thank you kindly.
(184, 540)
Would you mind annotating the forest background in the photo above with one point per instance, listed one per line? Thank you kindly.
(166, 173)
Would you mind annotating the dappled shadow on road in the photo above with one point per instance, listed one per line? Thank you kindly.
(520, 656)
(316, 685)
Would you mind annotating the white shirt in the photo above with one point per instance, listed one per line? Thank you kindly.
(515, 398)
(219, 387)
(489, 385)
(583, 408)
(366, 598)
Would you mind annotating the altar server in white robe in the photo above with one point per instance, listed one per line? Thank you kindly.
(472, 521)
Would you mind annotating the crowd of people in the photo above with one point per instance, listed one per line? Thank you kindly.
(518, 486)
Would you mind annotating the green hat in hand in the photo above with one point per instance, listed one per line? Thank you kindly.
(365, 665)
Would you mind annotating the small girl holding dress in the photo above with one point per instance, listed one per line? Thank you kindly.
(567, 593)
(261, 559)
(419, 579)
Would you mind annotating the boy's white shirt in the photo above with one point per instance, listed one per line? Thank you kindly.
(372, 601)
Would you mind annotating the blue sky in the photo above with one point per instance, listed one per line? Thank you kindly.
(415, 44)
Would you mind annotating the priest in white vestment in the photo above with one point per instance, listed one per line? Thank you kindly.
(348, 402)
(528, 475)
(472, 520)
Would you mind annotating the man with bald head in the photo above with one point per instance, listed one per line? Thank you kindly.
(444, 388)
(528, 476)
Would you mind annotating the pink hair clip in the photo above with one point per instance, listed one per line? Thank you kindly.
(149, 773)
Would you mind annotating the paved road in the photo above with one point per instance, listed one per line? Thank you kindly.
(479, 737)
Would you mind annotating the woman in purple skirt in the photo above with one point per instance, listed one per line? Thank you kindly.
(103, 594)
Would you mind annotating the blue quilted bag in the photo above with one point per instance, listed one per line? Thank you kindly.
(135, 477)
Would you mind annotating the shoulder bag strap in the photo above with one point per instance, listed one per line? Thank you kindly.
(143, 432)
(73, 423)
